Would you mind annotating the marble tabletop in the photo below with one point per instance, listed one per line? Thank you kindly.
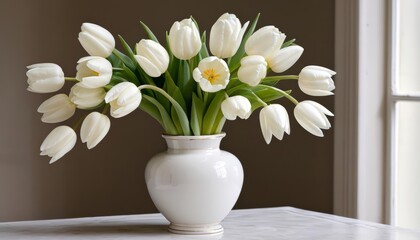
(264, 223)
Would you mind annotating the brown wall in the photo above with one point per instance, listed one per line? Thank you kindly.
(109, 179)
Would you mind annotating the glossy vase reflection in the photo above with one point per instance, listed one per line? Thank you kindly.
(194, 184)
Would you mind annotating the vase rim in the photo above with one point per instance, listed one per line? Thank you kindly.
(201, 137)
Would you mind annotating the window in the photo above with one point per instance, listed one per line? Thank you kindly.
(377, 106)
(404, 113)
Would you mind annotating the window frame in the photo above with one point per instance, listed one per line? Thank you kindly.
(361, 162)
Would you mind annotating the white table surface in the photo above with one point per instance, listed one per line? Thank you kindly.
(264, 223)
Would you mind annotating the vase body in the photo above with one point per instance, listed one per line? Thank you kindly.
(194, 184)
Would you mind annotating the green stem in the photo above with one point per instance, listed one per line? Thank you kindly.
(78, 123)
(181, 114)
(261, 101)
(105, 109)
(285, 77)
(288, 96)
(71, 79)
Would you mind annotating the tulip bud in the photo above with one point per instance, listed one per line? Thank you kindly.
(94, 129)
(93, 72)
(56, 109)
(283, 59)
(45, 77)
(226, 36)
(311, 116)
(59, 142)
(252, 70)
(96, 40)
(152, 57)
(236, 106)
(212, 74)
(274, 120)
(86, 98)
(264, 41)
(316, 81)
(184, 39)
(124, 98)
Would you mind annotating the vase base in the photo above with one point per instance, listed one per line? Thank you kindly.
(196, 229)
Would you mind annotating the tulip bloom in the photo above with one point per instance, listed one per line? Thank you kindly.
(311, 116)
(59, 142)
(86, 98)
(316, 81)
(212, 74)
(253, 69)
(226, 35)
(94, 129)
(236, 106)
(264, 41)
(152, 57)
(184, 39)
(93, 72)
(56, 109)
(96, 40)
(274, 120)
(284, 58)
(45, 77)
(124, 98)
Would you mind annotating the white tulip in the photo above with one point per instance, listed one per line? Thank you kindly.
(184, 39)
(212, 74)
(311, 116)
(96, 40)
(94, 129)
(152, 57)
(124, 98)
(45, 77)
(86, 98)
(252, 70)
(226, 35)
(93, 72)
(283, 59)
(274, 120)
(236, 106)
(59, 142)
(56, 109)
(264, 41)
(316, 81)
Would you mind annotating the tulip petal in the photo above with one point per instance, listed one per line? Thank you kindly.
(307, 125)
(267, 134)
(148, 66)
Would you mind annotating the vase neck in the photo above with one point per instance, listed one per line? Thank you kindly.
(205, 142)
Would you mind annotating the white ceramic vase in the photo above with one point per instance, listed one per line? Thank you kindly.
(194, 184)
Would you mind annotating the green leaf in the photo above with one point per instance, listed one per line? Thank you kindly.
(268, 94)
(197, 110)
(125, 59)
(114, 60)
(152, 110)
(166, 118)
(174, 91)
(203, 51)
(288, 43)
(210, 117)
(235, 61)
(130, 75)
(115, 79)
(149, 32)
(176, 120)
(219, 123)
(173, 61)
(185, 82)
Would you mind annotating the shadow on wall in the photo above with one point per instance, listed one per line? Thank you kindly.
(109, 179)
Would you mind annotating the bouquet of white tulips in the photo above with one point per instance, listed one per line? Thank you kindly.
(186, 88)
